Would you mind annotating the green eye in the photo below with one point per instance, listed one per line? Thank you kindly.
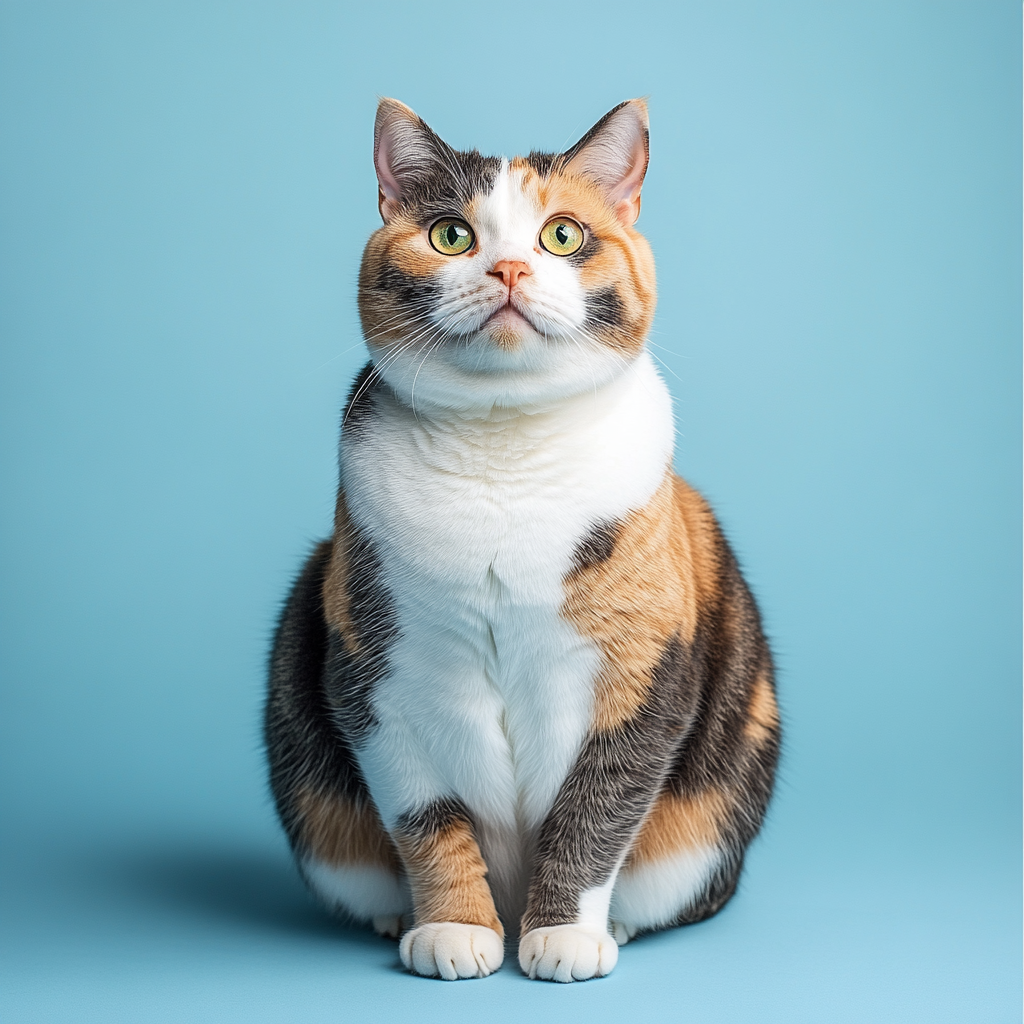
(561, 236)
(451, 236)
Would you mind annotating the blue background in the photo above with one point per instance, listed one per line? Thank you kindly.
(834, 204)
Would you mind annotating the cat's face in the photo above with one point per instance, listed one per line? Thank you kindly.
(506, 283)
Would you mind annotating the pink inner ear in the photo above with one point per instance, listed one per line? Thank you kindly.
(627, 209)
(631, 182)
(615, 156)
(382, 160)
(400, 147)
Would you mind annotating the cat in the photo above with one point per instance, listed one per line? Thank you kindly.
(524, 685)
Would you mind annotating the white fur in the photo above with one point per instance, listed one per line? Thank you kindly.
(475, 519)
(360, 890)
(593, 905)
(654, 895)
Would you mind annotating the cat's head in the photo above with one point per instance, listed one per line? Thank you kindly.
(499, 282)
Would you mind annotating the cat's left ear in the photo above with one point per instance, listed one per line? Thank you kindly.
(614, 154)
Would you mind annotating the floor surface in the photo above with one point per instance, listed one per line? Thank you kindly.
(187, 927)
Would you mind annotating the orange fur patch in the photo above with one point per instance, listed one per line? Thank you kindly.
(386, 320)
(525, 169)
(412, 253)
(624, 260)
(340, 832)
(447, 874)
(678, 823)
(663, 566)
(762, 712)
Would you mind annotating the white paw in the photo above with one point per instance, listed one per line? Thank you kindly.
(388, 925)
(450, 951)
(622, 933)
(567, 952)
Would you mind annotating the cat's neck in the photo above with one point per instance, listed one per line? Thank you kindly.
(608, 449)
(537, 419)
(628, 420)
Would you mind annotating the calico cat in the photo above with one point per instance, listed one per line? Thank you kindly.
(523, 686)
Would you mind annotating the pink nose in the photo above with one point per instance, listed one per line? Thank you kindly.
(510, 271)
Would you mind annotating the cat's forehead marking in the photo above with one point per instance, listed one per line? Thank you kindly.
(510, 207)
(527, 172)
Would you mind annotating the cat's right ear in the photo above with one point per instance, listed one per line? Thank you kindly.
(403, 149)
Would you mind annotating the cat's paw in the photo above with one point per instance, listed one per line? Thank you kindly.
(388, 926)
(567, 952)
(451, 951)
(622, 933)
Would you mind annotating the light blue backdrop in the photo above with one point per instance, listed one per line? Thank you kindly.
(834, 203)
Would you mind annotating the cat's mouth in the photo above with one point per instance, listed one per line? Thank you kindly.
(507, 316)
(506, 325)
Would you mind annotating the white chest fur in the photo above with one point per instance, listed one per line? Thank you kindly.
(489, 690)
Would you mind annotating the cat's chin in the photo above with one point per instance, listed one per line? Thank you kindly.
(508, 329)
(481, 374)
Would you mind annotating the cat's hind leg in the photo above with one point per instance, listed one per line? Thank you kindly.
(350, 862)
(686, 860)
(341, 847)
(681, 868)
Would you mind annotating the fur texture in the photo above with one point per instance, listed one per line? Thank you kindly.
(523, 688)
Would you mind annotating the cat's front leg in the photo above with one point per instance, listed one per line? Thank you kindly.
(457, 932)
(581, 847)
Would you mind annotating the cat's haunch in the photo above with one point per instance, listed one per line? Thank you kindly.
(523, 687)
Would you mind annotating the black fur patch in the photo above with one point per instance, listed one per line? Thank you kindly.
(348, 681)
(592, 245)
(604, 799)
(605, 309)
(409, 290)
(446, 183)
(596, 547)
(359, 404)
(419, 826)
(543, 163)
(304, 746)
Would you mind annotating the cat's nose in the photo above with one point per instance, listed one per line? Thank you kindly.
(510, 271)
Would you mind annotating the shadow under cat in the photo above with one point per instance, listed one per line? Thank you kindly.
(254, 890)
